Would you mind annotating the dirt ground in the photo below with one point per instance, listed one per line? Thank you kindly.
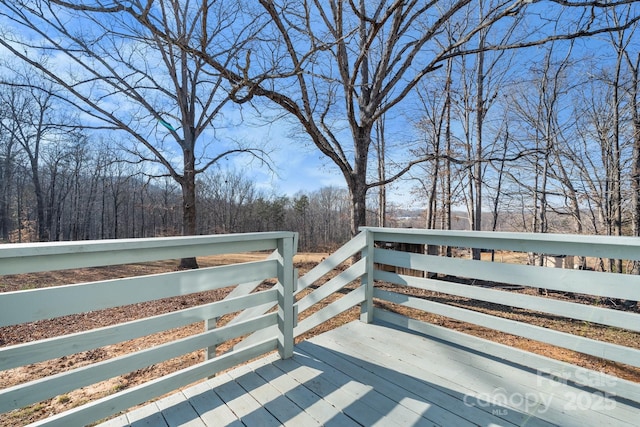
(304, 262)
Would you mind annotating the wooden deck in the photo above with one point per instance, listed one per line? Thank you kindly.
(372, 374)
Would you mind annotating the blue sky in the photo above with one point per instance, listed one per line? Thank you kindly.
(300, 166)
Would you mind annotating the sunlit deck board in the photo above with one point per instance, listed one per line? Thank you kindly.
(362, 374)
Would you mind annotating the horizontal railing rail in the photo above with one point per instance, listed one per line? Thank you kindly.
(35, 257)
(332, 287)
(53, 302)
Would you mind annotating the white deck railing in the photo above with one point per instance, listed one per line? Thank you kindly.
(52, 302)
(442, 275)
(603, 285)
(268, 330)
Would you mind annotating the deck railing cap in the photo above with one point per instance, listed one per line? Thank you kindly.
(508, 235)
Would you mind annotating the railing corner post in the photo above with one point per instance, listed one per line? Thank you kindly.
(286, 321)
(366, 309)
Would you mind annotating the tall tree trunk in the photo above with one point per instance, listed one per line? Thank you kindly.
(188, 184)
(43, 235)
(635, 161)
(362, 134)
(478, 160)
(448, 199)
(496, 200)
(616, 187)
(432, 206)
(358, 194)
(381, 149)
(6, 181)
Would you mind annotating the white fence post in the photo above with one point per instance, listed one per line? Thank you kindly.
(366, 309)
(285, 297)
(210, 352)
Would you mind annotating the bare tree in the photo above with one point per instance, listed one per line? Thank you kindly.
(633, 62)
(337, 66)
(600, 160)
(620, 41)
(84, 175)
(8, 155)
(128, 79)
(586, 156)
(432, 125)
(300, 205)
(541, 105)
(380, 147)
(226, 197)
(32, 109)
(329, 213)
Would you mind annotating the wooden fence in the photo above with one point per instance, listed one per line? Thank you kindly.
(47, 303)
(351, 284)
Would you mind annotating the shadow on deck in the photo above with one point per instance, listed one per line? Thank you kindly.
(374, 374)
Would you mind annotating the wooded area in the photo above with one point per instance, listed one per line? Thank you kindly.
(87, 192)
(525, 114)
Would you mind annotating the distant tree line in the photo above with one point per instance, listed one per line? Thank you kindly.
(62, 181)
(89, 192)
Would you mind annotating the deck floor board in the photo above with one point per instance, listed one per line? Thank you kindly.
(319, 409)
(372, 374)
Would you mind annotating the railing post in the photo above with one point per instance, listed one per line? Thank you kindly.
(285, 297)
(366, 309)
(210, 352)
